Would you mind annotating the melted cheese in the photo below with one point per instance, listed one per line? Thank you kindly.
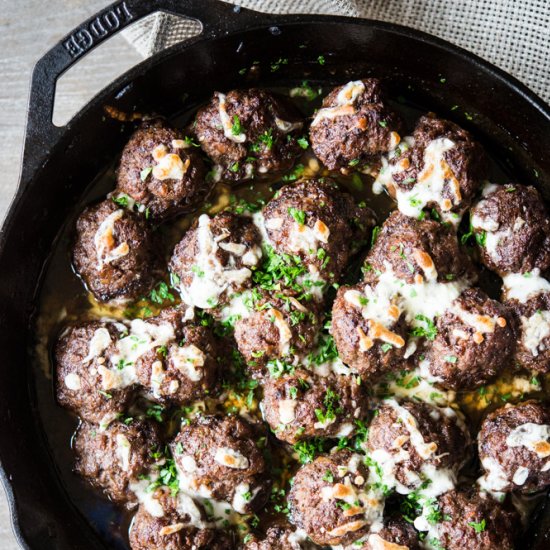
(522, 287)
(189, 360)
(227, 122)
(169, 165)
(231, 458)
(100, 341)
(104, 241)
(123, 451)
(303, 238)
(535, 330)
(287, 127)
(287, 410)
(345, 101)
(73, 381)
(535, 437)
(209, 277)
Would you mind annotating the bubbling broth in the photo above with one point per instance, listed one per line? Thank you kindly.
(64, 299)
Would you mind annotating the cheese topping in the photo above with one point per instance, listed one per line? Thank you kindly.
(286, 126)
(535, 330)
(345, 101)
(285, 334)
(169, 165)
(521, 287)
(73, 382)
(305, 238)
(535, 437)
(209, 277)
(123, 450)
(231, 458)
(189, 360)
(100, 341)
(104, 241)
(287, 410)
(227, 122)
(376, 542)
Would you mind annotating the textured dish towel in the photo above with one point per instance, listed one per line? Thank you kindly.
(512, 34)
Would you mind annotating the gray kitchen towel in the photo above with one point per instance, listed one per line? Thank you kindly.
(512, 34)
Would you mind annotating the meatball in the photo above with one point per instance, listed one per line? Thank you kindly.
(115, 457)
(353, 126)
(330, 501)
(116, 254)
(514, 448)
(443, 170)
(279, 327)
(370, 344)
(277, 537)
(532, 313)
(161, 171)
(183, 371)
(177, 523)
(412, 442)
(249, 133)
(220, 457)
(82, 375)
(215, 259)
(475, 340)
(467, 520)
(396, 534)
(512, 229)
(300, 405)
(418, 250)
(317, 222)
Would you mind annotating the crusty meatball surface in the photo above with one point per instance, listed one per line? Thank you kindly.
(278, 537)
(514, 448)
(443, 170)
(177, 523)
(354, 125)
(372, 347)
(215, 259)
(82, 372)
(115, 253)
(316, 221)
(249, 133)
(330, 502)
(414, 441)
(475, 341)
(419, 250)
(278, 327)
(532, 315)
(512, 226)
(222, 457)
(302, 405)
(183, 371)
(468, 520)
(161, 171)
(115, 457)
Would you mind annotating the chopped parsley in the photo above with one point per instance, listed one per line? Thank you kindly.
(479, 526)
(429, 329)
(236, 127)
(298, 215)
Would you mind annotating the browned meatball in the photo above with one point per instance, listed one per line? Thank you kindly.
(330, 501)
(467, 520)
(183, 371)
(442, 170)
(514, 448)
(277, 537)
(475, 341)
(171, 528)
(532, 315)
(353, 126)
(416, 441)
(279, 327)
(249, 133)
(215, 259)
(300, 405)
(115, 457)
(222, 458)
(115, 253)
(83, 373)
(512, 229)
(317, 222)
(419, 250)
(396, 534)
(161, 171)
(371, 347)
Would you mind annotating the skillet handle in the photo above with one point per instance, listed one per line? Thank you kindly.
(217, 19)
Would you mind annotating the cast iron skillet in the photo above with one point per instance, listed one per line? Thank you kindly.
(58, 163)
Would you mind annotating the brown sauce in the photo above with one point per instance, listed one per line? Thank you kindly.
(63, 298)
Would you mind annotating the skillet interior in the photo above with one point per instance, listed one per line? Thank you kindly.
(512, 128)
